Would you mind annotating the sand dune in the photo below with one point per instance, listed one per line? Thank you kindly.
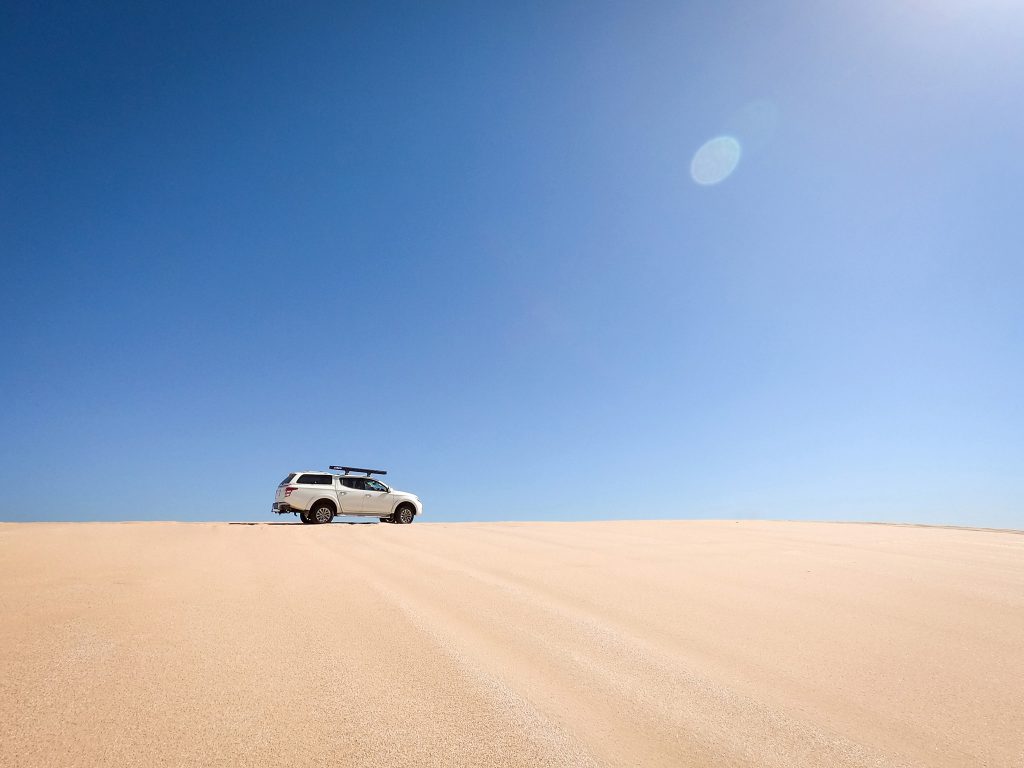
(518, 644)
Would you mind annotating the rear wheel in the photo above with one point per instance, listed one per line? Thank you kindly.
(322, 513)
(386, 520)
(404, 515)
(305, 518)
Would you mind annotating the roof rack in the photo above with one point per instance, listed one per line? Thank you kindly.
(349, 470)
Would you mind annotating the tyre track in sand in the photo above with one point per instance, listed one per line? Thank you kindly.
(646, 703)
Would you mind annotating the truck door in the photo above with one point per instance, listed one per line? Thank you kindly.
(350, 495)
(377, 499)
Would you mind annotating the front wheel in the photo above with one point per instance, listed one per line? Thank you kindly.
(404, 515)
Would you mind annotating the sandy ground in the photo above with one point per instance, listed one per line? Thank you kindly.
(519, 644)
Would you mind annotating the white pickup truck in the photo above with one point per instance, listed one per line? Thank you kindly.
(318, 497)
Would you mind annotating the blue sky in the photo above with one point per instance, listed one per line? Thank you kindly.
(462, 241)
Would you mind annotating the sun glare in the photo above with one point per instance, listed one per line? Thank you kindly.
(715, 160)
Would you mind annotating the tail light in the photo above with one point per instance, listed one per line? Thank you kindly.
(289, 489)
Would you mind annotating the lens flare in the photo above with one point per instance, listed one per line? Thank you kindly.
(715, 160)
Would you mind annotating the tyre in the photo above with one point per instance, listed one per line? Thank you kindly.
(305, 518)
(404, 515)
(322, 513)
(385, 519)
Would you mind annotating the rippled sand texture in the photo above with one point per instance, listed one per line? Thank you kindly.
(674, 643)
